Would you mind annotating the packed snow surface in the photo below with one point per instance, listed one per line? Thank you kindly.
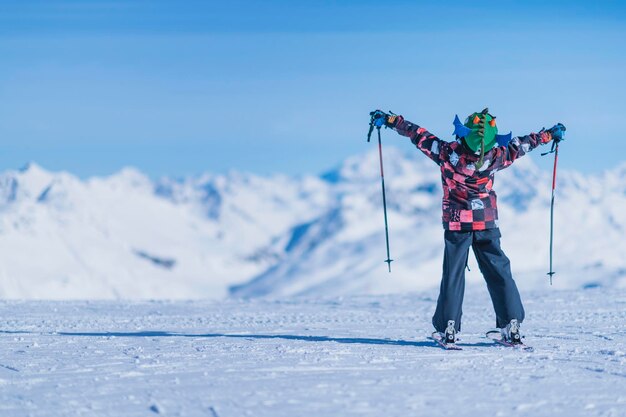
(358, 355)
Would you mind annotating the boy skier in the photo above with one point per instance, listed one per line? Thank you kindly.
(470, 213)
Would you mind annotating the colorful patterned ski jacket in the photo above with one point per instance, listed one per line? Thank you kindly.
(469, 202)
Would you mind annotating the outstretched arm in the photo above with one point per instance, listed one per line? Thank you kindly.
(519, 146)
(433, 147)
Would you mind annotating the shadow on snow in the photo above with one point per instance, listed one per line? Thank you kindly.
(349, 340)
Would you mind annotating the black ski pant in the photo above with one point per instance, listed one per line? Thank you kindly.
(496, 269)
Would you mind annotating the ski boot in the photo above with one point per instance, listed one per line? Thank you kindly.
(511, 333)
(449, 336)
(447, 339)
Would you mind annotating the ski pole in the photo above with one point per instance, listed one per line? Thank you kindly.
(555, 150)
(382, 179)
(556, 159)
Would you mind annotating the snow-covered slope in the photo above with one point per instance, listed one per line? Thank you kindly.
(340, 356)
(342, 251)
(127, 236)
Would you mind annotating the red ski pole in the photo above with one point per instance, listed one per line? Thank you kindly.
(556, 159)
(557, 137)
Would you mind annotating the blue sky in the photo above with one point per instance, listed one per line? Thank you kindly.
(178, 88)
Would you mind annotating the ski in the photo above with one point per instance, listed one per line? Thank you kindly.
(447, 346)
(496, 337)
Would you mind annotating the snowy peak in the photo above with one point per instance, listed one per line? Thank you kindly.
(366, 167)
(30, 181)
(127, 236)
(342, 262)
(34, 169)
(35, 185)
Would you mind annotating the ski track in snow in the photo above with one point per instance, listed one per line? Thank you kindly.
(361, 355)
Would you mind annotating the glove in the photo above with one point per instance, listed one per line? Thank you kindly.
(556, 132)
(380, 118)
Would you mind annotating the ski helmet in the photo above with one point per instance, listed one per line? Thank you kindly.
(480, 133)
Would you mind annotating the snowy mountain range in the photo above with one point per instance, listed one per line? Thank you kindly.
(127, 236)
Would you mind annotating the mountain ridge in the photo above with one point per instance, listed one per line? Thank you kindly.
(213, 235)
